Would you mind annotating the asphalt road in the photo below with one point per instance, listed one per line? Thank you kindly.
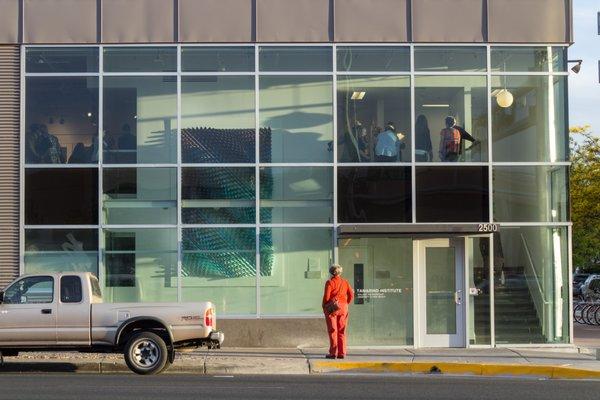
(129, 386)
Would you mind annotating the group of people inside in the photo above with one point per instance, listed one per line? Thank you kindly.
(387, 145)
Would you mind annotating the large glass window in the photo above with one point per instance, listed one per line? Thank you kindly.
(217, 59)
(293, 269)
(140, 265)
(140, 196)
(374, 118)
(531, 277)
(219, 265)
(529, 119)
(373, 58)
(140, 59)
(140, 119)
(296, 119)
(61, 120)
(61, 59)
(446, 59)
(61, 196)
(217, 119)
(296, 195)
(374, 194)
(531, 194)
(452, 194)
(451, 118)
(218, 195)
(477, 264)
(295, 58)
(57, 250)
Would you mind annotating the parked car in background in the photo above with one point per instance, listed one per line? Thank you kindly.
(578, 280)
(65, 312)
(590, 289)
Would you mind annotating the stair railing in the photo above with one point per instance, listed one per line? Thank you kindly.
(542, 306)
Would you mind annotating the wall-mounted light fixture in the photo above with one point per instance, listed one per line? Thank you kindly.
(577, 67)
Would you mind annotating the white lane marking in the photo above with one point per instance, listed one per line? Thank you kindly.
(223, 376)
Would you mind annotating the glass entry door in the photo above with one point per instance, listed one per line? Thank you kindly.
(440, 273)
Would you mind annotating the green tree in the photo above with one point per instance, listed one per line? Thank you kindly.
(585, 197)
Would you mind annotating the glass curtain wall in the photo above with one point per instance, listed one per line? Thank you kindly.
(213, 169)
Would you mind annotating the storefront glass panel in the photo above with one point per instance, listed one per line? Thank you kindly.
(140, 265)
(61, 59)
(140, 119)
(294, 264)
(519, 59)
(531, 285)
(296, 195)
(61, 120)
(58, 250)
(477, 250)
(531, 126)
(295, 59)
(374, 119)
(373, 58)
(140, 59)
(530, 194)
(217, 59)
(374, 194)
(217, 119)
(139, 196)
(220, 265)
(296, 119)
(381, 272)
(452, 194)
(461, 97)
(449, 59)
(223, 195)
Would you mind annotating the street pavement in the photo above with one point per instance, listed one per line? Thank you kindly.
(115, 387)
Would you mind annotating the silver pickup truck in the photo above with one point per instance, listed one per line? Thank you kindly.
(51, 312)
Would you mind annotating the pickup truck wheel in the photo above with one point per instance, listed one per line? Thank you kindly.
(146, 353)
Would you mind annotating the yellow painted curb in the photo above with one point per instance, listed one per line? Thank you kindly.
(544, 371)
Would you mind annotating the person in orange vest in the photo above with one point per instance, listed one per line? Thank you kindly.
(336, 298)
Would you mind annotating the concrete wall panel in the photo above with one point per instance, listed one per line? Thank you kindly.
(10, 18)
(138, 21)
(60, 21)
(529, 21)
(216, 21)
(294, 20)
(449, 21)
(372, 20)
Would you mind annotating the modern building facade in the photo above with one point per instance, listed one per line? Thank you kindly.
(231, 150)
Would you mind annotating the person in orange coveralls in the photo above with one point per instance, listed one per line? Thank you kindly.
(339, 289)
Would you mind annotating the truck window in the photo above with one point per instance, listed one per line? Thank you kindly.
(95, 286)
(70, 289)
(31, 290)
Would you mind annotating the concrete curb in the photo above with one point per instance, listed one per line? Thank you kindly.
(474, 369)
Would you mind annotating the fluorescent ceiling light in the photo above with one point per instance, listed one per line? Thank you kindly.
(358, 95)
(436, 105)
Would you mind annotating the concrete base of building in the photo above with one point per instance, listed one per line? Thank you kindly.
(274, 332)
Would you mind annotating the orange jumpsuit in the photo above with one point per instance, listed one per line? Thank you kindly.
(338, 288)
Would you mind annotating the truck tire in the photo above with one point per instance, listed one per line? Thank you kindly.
(146, 353)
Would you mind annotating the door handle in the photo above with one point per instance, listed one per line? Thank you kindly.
(46, 311)
(458, 297)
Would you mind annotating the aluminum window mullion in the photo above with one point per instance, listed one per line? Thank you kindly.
(413, 161)
(101, 244)
(257, 175)
(179, 182)
(22, 163)
(335, 155)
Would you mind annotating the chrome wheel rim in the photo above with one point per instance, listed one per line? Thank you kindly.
(145, 353)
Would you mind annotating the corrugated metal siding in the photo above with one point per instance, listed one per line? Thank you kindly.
(9, 162)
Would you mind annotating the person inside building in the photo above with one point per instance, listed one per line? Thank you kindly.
(336, 298)
(423, 147)
(451, 139)
(389, 145)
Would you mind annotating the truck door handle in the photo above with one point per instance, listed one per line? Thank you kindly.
(46, 311)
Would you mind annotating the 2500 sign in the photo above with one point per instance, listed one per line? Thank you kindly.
(487, 227)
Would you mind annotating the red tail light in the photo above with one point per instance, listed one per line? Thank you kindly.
(208, 317)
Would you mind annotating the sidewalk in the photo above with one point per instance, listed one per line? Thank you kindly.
(547, 363)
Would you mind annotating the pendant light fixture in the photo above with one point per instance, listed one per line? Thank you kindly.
(504, 98)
